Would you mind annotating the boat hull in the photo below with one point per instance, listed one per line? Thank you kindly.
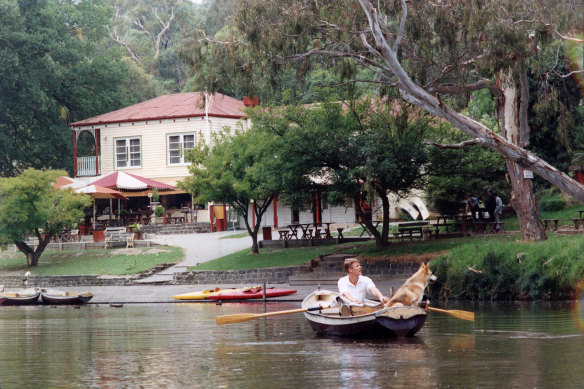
(202, 294)
(252, 294)
(65, 299)
(19, 299)
(387, 322)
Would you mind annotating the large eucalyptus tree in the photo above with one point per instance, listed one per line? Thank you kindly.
(428, 51)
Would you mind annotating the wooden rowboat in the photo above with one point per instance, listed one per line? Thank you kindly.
(335, 321)
(24, 297)
(57, 297)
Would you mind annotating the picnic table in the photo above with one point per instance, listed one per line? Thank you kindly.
(411, 229)
(366, 229)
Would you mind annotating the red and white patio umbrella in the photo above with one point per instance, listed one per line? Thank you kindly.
(127, 181)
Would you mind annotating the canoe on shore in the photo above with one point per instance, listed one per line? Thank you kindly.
(252, 293)
(249, 292)
(385, 322)
(24, 297)
(202, 294)
(57, 297)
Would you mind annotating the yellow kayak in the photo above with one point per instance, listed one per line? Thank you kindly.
(204, 294)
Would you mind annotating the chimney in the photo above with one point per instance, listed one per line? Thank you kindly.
(250, 101)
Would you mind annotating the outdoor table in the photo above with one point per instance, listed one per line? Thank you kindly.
(293, 230)
(365, 229)
(327, 230)
(284, 234)
(306, 231)
(580, 213)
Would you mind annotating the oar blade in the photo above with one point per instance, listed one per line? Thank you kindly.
(464, 315)
(235, 318)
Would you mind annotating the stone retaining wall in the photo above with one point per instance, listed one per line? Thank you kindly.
(11, 282)
(272, 275)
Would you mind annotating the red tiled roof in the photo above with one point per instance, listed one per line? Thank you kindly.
(178, 105)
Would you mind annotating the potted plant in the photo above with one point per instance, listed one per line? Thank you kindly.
(136, 228)
(155, 197)
(158, 212)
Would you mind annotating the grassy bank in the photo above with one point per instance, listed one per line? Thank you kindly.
(111, 261)
(511, 270)
(274, 257)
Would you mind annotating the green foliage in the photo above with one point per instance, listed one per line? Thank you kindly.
(509, 270)
(148, 33)
(458, 172)
(243, 166)
(155, 196)
(158, 211)
(30, 204)
(51, 73)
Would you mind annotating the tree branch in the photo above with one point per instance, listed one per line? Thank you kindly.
(466, 143)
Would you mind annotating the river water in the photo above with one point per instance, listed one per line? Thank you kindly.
(537, 345)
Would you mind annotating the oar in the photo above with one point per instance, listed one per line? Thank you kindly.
(240, 317)
(464, 315)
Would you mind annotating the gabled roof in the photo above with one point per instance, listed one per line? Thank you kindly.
(178, 105)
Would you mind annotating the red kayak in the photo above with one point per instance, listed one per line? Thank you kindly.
(252, 293)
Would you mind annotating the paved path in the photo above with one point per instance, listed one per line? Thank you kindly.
(198, 248)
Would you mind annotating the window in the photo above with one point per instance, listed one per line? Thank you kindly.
(178, 145)
(128, 153)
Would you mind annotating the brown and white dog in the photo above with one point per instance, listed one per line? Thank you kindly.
(412, 291)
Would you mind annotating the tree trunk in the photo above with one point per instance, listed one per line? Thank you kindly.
(379, 237)
(523, 202)
(254, 245)
(33, 255)
(515, 129)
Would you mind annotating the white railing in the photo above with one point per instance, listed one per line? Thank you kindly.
(86, 166)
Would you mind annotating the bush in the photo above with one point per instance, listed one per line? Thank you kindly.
(545, 270)
(551, 205)
(159, 211)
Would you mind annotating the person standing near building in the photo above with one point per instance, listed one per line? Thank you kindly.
(498, 210)
(491, 204)
(472, 206)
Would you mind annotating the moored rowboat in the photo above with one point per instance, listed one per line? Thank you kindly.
(25, 297)
(390, 322)
(57, 297)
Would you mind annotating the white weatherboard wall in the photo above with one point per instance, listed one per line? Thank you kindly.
(153, 139)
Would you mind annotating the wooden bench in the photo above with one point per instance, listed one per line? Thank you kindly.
(412, 229)
(548, 222)
(578, 222)
(118, 234)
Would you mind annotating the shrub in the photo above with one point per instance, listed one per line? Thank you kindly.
(159, 211)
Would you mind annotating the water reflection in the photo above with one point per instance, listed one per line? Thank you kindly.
(180, 346)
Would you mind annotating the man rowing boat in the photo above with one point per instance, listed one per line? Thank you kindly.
(354, 286)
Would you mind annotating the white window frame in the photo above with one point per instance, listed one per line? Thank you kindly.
(129, 159)
(182, 149)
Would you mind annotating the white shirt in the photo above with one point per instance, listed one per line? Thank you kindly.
(358, 291)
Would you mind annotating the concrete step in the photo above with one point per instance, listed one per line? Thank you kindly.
(305, 280)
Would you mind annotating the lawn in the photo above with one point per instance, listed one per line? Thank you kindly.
(103, 261)
(275, 257)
